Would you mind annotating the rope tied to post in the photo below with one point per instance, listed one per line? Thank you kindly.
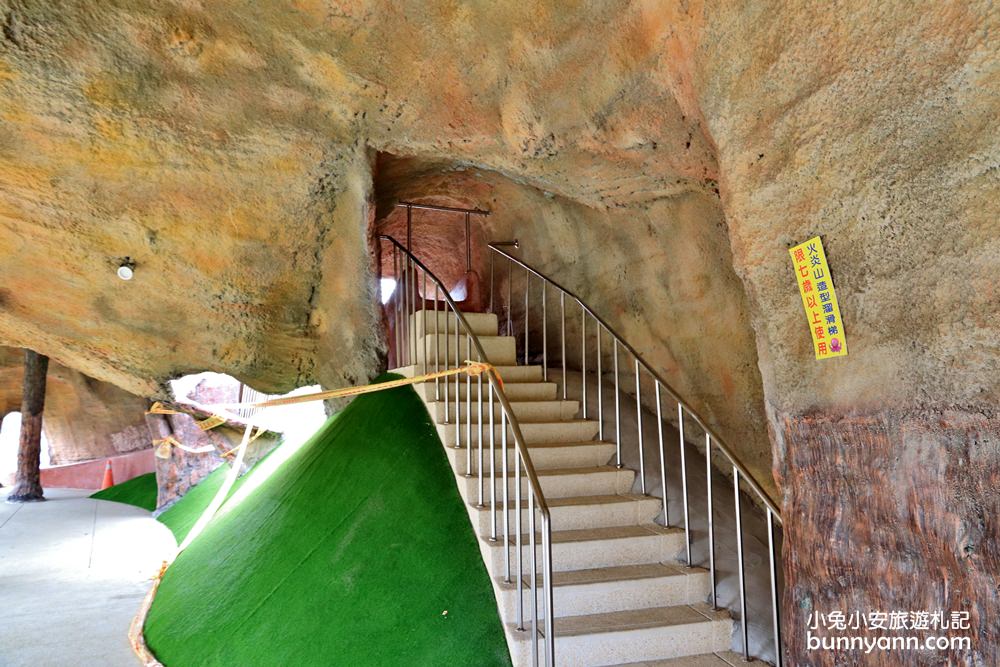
(470, 368)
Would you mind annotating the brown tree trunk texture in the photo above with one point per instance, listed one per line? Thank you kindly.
(28, 485)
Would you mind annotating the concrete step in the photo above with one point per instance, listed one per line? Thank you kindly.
(544, 456)
(572, 430)
(578, 512)
(592, 548)
(515, 391)
(656, 633)
(499, 350)
(719, 659)
(607, 589)
(556, 482)
(482, 324)
(525, 411)
(510, 373)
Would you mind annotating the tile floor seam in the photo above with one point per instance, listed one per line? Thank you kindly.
(16, 510)
(93, 535)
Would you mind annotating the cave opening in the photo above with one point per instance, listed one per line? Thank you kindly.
(10, 431)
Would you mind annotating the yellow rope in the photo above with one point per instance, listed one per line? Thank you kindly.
(139, 647)
(471, 368)
(171, 441)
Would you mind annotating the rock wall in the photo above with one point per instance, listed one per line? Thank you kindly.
(660, 273)
(84, 418)
(870, 126)
(161, 135)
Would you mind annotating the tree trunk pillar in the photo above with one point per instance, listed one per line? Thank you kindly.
(28, 486)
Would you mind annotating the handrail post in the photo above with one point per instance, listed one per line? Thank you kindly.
(423, 313)
(527, 283)
(583, 357)
(775, 617)
(493, 479)
(711, 527)
(468, 405)
(684, 483)
(638, 418)
(739, 558)
(663, 464)
(545, 337)
(618, 411)
(510, 302)
(600, 388)
(517, 540)
(447, 351)
(562, 327)
(437, 349)
(395, 304)
(506, 501)
(550, 658)
(533, 578)
(479, 471)
(492, 306)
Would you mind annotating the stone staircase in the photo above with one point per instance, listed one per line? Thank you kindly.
(621, 596)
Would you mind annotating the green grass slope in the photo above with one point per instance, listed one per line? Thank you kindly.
(351, 553)
(182, 515)
(139, 491)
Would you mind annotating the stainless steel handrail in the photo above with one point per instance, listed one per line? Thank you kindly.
(536, 498)
(719, 442)
(738, 469)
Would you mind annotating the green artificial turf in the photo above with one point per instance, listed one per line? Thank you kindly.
(139, 491)
(182, 515)
(356, 551)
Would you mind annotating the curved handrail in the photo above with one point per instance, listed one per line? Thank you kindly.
(531, 475)
(720, 443)
(515, 427)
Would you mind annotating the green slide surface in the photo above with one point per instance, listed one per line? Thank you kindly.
(356, 551)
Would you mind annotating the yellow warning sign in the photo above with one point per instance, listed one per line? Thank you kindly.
(819, 299)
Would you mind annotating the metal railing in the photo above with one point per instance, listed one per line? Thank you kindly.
(411, 308)
(713, 443)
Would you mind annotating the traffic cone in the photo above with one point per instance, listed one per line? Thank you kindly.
(109, 479)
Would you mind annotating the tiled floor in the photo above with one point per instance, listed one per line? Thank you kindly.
(73, 572)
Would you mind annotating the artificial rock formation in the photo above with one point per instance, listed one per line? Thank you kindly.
(227, 150)
(84, 418)
(186, 453)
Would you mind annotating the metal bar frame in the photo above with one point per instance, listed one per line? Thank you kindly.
(542, 637)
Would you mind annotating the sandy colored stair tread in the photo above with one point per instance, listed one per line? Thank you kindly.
(582, 511)
(336, 559)
(139, 491)
(481, 324)
(535, 433)
(617, 588)
(544, 455)
(516, 391)
(556, 482)
(525, 411)
(719, 659)
(511, 373)
(599, 547)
